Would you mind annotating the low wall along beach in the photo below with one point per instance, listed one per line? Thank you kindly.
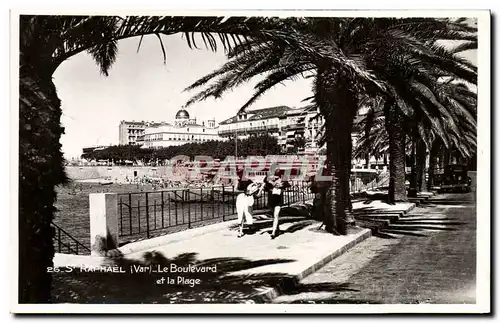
(112, 173)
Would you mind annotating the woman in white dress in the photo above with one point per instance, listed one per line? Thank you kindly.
(244, 205)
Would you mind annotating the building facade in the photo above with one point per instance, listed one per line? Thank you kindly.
(282, 122)
(182, 130)
(304, 124)
(132, 132)
(253, 122)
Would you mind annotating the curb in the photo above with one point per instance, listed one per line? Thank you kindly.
(273, 292)
(408, 210)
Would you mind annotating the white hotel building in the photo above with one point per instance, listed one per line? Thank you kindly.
(182, 131)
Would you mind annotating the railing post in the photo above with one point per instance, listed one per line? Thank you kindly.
(213, 203)
(234, 202)
(223, 205)
(201, 202)
(130, 211)
(103, 222)
(175, 208)
(121, 216)
(147, 216)
(154, 212)
(189, 207)
(138, 216)
(163, 211)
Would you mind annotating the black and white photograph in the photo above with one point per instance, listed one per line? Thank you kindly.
(308, 161)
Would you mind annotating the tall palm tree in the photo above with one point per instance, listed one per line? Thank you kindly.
(368, 53)
(428, 133)
(45, 43)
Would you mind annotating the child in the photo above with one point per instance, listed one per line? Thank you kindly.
(244, 204)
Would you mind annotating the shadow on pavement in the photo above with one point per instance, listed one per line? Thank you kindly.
(334, 301)
(263, 226)
(320, 287)
(141, 281)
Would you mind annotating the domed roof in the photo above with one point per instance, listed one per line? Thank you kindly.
(182, 114)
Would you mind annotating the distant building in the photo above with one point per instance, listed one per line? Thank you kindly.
(302, 123)
(181, 131)
(282, 122)
(132, 132)
(369, 161)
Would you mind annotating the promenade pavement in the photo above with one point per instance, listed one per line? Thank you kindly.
(428, 256)
(253, 268)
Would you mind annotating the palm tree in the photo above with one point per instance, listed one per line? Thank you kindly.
(45, 43)
(427, 133)
(368, 53)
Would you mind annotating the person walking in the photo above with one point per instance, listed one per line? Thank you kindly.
(244, 205)
(276, 185)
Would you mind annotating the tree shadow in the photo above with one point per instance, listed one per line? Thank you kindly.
(264, 227)
(383, 235)
(298, 226)
(416, 227)
(436, 203)
(156, 279)
(368, 209)
(320, 287)
(261, 225)
(141, 281)
(334, 301)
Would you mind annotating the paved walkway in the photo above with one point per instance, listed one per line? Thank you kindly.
(254, 268)
(428, 256)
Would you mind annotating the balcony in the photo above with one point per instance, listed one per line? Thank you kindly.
(294, 126)
(248, 130)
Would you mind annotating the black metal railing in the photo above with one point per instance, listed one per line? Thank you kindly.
(65, 243)
(143, 214)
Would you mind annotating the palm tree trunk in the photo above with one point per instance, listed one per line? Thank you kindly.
(40, 171)
(338, 104)
(421, 155)
(412, 191)
(433, 156)
(447, 157)
(394, 126)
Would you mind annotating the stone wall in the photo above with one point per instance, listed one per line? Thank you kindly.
(113, 173)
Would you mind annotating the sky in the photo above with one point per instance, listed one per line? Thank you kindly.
(141, 86)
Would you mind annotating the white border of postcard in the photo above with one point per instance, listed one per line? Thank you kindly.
(483, 291)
